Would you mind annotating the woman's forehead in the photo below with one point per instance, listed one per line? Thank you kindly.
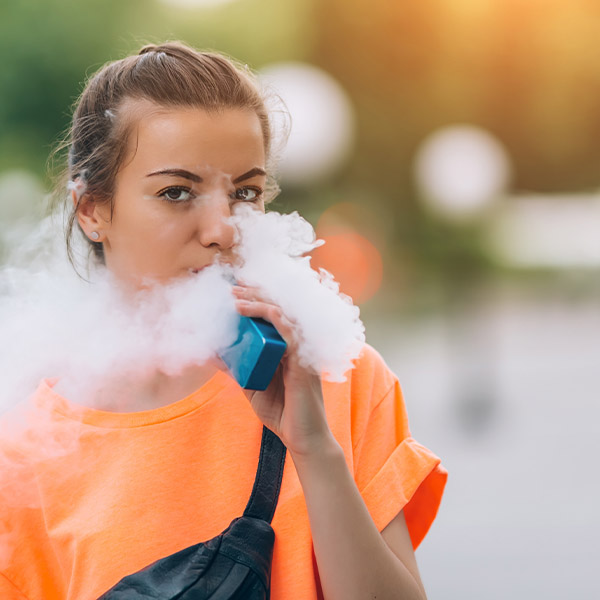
(228, 141)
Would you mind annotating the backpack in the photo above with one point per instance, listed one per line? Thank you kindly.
(234, 565)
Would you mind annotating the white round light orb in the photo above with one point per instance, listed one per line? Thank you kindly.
(461, 170)
(322, 121)
(196, 3)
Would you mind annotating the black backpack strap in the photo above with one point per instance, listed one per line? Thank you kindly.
(267, 482)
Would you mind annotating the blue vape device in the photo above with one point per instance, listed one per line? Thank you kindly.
(254, 357)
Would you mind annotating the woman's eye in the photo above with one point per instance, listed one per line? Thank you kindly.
(176, 194)
(247, 194)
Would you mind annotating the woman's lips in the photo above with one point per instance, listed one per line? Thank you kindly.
(225, 263)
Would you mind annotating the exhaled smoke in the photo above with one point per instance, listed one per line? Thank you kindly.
(54, 324)
(89, 335)
(273, 249)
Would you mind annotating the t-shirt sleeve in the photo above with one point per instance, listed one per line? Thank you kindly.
(392, 470)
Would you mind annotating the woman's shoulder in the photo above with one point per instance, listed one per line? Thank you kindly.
(28, 438)
(366, 385)
(371, 373)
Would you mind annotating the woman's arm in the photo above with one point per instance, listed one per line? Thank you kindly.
(355, 560)
(398, 539)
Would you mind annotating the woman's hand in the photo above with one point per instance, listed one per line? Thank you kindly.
(292, 406)
(353, 558)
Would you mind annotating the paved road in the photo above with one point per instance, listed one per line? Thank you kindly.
(509, 396)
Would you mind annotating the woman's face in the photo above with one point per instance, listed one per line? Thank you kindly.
(184, 171)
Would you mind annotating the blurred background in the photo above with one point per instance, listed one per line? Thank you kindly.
(449, 153)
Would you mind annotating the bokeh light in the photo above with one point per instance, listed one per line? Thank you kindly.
(461, 170)
(355, 262)
(560, 232)
(322, 121)
(196, 3)
(489, 308)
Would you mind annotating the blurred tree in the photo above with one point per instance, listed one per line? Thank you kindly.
(48, 48)
(54, 44)
(529, 72)
(256, 32)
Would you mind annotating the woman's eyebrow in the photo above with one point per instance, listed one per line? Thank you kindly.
(179, 173)
(251, 173)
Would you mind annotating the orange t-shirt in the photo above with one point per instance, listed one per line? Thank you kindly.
(130, 488)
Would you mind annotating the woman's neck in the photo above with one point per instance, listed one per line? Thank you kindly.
(133, 393)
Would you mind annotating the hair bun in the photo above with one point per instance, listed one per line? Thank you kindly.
(148, 48)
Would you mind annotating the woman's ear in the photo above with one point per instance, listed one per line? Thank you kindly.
(90, 217)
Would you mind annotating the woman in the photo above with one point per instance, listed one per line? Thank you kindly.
(163, 145)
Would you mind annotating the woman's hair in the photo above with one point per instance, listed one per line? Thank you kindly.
(169, 75)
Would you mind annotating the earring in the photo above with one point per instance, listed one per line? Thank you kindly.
(95, 235)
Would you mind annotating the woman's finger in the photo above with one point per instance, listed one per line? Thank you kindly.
(249, 293)
(274, 315)
(252, 294)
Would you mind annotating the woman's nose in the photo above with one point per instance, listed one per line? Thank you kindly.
(214, 228)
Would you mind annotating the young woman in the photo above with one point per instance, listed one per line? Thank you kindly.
(163, 145)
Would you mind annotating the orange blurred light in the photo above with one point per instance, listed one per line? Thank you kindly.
(354, 262)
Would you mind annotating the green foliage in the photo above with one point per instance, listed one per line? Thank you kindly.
(48, 48)
(51, 46)
(528, 72)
